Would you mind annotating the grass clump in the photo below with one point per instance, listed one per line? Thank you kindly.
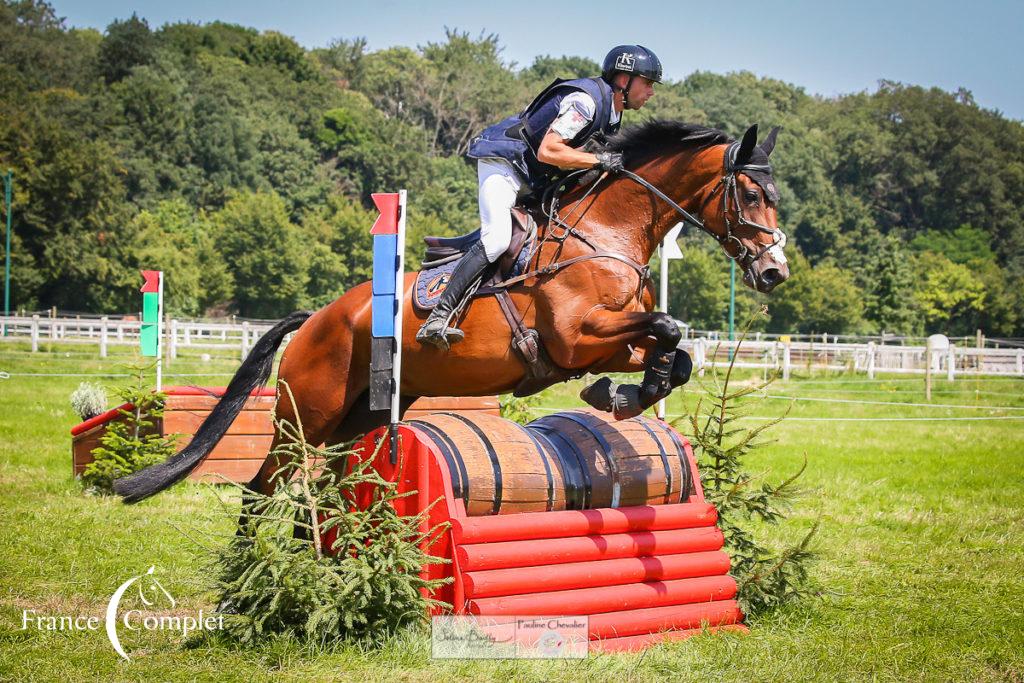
(326, 557)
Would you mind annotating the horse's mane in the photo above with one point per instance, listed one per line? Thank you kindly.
(655, 136)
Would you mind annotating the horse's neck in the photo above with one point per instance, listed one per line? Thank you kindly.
(627, 219)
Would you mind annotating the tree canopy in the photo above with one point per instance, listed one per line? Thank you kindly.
(242, 164)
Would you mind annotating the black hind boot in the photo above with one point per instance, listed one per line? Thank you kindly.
(436, 331)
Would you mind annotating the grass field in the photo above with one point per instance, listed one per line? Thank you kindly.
(921, 548)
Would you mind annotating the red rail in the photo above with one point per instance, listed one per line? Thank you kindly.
(483, 584)
(536, 525)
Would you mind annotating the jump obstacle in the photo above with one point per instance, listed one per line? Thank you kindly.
(571, 515)
(238, 456)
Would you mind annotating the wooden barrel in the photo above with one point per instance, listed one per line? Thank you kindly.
(639, 461)
(496, 466)
(567, 461)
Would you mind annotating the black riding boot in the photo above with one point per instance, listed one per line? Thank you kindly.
(436, 331)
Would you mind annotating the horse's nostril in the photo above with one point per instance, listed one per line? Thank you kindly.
(771, 276)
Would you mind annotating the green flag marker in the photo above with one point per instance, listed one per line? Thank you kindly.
(149, 334)
(150, 316)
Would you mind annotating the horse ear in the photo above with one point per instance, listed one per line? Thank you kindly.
(747, 145)
(769, 142)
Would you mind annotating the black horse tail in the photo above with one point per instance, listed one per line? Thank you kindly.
(254, 373)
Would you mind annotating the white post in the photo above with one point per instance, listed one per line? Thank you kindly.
(698, 355)
(174, 339)
(103, 337)
(35, 333)
(245, 339)
(53, 329)
(951, 361)
(160, 334)
(400, 296)
(785, 362)
(871, 360)
(659, 410)
(929, 359)
(120, 331)
(1020, 361)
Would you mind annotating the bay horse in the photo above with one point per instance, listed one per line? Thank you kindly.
(587, 295)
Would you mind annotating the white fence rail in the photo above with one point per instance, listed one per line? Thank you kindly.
(107, 333)
(777, 355)
(869, 358)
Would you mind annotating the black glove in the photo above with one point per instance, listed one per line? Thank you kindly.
(609, 161)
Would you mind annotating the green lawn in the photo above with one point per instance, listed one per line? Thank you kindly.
(921, 548)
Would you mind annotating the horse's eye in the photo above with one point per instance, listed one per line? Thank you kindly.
(751, 196)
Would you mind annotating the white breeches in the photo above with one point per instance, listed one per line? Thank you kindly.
(499, 186)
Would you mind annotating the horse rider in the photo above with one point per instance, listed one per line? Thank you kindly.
(528, 151)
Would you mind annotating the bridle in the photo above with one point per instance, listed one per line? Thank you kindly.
(729, 188)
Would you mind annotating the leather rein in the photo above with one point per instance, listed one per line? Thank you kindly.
(730, 192)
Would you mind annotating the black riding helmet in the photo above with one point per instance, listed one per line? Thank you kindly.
(635, 60)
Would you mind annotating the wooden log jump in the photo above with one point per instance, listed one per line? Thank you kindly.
(243, 449)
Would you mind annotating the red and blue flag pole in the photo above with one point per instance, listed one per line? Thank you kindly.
(388, 291)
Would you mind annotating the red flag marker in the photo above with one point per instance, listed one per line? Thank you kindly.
(387, 222)
(152, 283)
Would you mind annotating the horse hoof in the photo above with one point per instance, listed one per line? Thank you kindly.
(600, 394)
(626, 403)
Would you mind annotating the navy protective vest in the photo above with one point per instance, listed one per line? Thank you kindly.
(517, 138)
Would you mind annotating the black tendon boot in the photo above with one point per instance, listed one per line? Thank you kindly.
(436, 331)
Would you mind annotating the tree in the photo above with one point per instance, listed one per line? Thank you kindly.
(155, 117)
(173, 239)
(952, 298)
(265, 253)
(546, 68)
(882, 267)
(962, 245)
(471, 89)
(342, 61)
(280, 52)
(699, 288)
(126, 45)
(38, 52)
(344, 226)
(819, 299)
(70, 206)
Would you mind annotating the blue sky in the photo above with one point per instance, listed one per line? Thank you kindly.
(826, 47)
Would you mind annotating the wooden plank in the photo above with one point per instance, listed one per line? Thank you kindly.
(208, 402)
(237, 446)
(435, 404)
(247, 422)
(241, 471)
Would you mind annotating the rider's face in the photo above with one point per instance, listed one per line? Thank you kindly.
(640, 90)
